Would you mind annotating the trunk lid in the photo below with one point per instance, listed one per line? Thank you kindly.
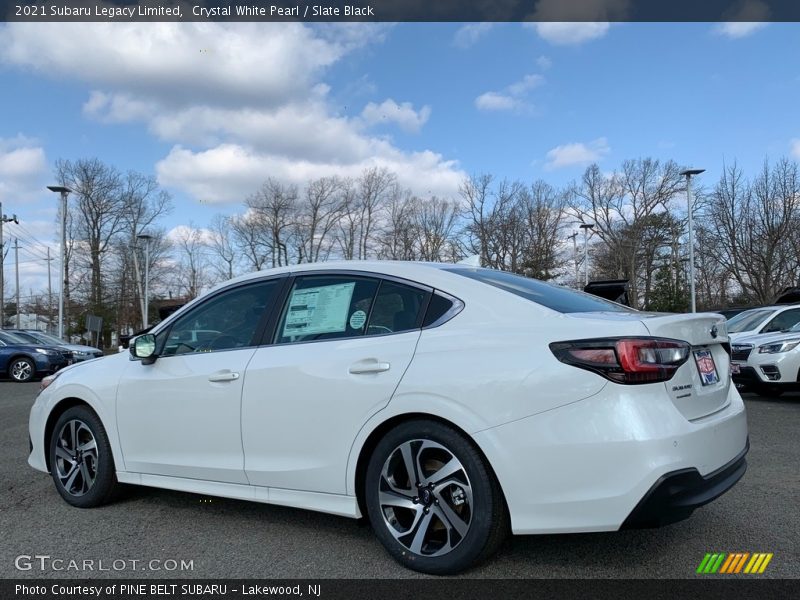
(700, 386)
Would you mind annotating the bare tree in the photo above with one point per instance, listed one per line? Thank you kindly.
(317, 218)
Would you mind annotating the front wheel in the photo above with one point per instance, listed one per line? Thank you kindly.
(432, 500)
(22, 370)
(80, 459)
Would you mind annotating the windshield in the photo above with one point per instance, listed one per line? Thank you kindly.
(748, 320)
(44, 338)
(554, 297)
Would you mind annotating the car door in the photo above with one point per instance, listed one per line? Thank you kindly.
(341, 345)
(181, 415)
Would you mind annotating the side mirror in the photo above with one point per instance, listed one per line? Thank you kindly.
(144, 348)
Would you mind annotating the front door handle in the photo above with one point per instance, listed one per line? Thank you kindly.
(367, 367)
(221, 376)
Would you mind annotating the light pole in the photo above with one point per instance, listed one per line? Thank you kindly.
(573, 237)
(64, 191)
(586, 227)
(688, 173)
(146, 314)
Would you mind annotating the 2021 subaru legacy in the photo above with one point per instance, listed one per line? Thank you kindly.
(448, 404)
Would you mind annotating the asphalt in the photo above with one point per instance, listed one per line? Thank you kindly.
(228, 538)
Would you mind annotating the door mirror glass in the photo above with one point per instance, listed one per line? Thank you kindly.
(144, 346)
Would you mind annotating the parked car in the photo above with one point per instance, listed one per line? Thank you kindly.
(768, 319)
(769, 364)
(449, 404)
(80, 352)
(23, 361)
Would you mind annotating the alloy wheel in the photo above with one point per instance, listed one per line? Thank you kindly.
(22, 370)
(76, 457)
(425, 497)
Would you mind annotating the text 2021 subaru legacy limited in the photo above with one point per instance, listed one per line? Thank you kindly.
(446, 403)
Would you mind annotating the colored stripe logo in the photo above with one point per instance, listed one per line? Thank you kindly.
(735, 562)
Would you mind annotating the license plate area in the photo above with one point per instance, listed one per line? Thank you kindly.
(706, 367)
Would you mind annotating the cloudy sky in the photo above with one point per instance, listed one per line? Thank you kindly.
(214, 109)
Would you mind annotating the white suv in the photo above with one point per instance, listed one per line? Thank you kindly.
(769, 364)
(768, 319)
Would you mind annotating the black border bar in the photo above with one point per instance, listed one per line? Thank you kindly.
(402, 10)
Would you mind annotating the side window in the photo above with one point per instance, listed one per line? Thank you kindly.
(324, 307)
(397, 308)
(227, 321)
(784, 321)
(441, 309)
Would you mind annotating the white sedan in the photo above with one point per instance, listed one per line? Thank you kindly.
(448, 404)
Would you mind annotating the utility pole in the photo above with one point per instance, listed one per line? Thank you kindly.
(3, 219)
(64, 191)
(689, 173)
(16, 261)
(49, 294)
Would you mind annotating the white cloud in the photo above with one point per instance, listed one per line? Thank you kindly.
(569, 34)
(576, 153)
(738, 29)
(230, 173)
(469, 34)
(544, 62)
(747, 17)
(403, 115)
(513, 97)
(238, 101)
(794, 148)
(23, 166)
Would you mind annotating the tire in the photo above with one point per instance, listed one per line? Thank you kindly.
(84, 476)
(433, 521)
(22, 369)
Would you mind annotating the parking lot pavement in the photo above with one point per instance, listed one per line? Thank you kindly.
(228, 538)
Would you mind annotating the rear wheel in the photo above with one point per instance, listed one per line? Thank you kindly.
(80, 459)
(432, 500)
(22, 369)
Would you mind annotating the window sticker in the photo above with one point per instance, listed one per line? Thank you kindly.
(357, 319)
(319, 310)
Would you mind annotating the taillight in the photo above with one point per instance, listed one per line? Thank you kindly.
(625, 360)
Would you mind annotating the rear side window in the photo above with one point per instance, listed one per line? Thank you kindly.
(554, 297)
(397, 308)
(324, 307)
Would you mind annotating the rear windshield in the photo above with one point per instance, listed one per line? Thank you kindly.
(555, 297)
(748, 320)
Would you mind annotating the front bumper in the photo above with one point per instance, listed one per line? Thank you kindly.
(676, 495)
(755, 377)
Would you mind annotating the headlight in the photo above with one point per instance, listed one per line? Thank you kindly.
(777, 347)
(47, 351)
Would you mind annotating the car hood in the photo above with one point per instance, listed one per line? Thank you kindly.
(760, 339)
(81, 348)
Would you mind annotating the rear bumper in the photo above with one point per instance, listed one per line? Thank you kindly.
(676, 495)
(586, 466)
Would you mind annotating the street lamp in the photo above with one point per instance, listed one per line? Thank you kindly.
(64, 191)
(688, 173)
(145, 315)
(586, 227)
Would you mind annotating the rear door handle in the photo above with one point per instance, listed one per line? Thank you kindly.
(221, 376)
(366, 367)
